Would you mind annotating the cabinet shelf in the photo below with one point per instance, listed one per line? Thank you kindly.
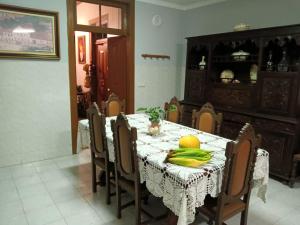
(233, 85)
(197, 71)
(230, 59)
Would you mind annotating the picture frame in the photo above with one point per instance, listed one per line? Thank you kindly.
(28, 33)
(81, 49)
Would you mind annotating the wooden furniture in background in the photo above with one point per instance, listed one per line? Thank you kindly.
(296, 162)
(83, 103)
(174, 116)
(237, 180)
(113, 106)
(207, 120)
(268, 99)
(99, 149)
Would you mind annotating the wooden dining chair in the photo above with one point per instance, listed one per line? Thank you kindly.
(175, 115)
(126, 166)
(113, 106)
(99, 149)
(237, 180)
(207, 119)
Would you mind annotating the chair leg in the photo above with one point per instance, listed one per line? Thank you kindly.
(244, 217)
(94, 177)
(118, 193)
(137, 209)
(107, 186)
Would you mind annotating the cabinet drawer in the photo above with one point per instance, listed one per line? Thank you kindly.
(236, 117)
(274, 126)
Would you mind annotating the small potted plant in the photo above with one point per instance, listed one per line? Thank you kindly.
(156, 114)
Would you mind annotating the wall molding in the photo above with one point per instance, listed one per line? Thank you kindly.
(182, 7)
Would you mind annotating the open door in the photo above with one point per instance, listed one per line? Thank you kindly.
(101, 69)
(111, 67)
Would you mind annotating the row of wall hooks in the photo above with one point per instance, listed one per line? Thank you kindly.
(151, 56)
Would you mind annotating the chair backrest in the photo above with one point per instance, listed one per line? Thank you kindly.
(174, 116)
(125, 147)
(239, 166)
(207, 120)
(113, 106)
(98, 141)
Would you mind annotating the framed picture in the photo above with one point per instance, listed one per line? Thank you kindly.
(81, 49)
(28, 33)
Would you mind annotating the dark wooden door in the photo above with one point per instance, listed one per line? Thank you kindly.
(101, 69)
(117, 66)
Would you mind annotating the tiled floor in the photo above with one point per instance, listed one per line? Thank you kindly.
(58, 192)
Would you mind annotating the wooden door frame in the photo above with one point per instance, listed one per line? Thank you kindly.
(130, 33)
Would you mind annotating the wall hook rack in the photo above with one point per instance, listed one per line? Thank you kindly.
(151, 56)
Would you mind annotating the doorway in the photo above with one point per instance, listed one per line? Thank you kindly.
(111, 67)
(124, 85)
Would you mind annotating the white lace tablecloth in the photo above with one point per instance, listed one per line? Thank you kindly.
(183, 189)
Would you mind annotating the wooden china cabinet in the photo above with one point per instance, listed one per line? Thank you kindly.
(263, 91)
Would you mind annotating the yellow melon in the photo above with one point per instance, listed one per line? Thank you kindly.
(189, 141)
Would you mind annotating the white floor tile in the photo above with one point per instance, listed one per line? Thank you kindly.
(11, 210)
(27, 180)
(16, 220)
(9, 196)
(7, 185)
(37, 202)
(64, 194)
(59, 222)
(22, 171)
(292, 218)
(52, 175)
(74, 207)
(43, 216)
(89, 218)
(5, 173)
(32, 190)
(58, 184)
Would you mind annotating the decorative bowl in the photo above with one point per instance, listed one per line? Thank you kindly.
(241, 27)
(240, 55)
(226, 76)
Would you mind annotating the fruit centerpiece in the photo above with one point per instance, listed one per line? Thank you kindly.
(189, 153)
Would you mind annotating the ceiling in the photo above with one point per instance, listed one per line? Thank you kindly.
(182, 4)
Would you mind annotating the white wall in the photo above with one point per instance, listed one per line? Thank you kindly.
(222, 17)
(156, 80)
(34, 100)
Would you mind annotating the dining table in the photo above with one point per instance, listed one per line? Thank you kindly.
(182, 189)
